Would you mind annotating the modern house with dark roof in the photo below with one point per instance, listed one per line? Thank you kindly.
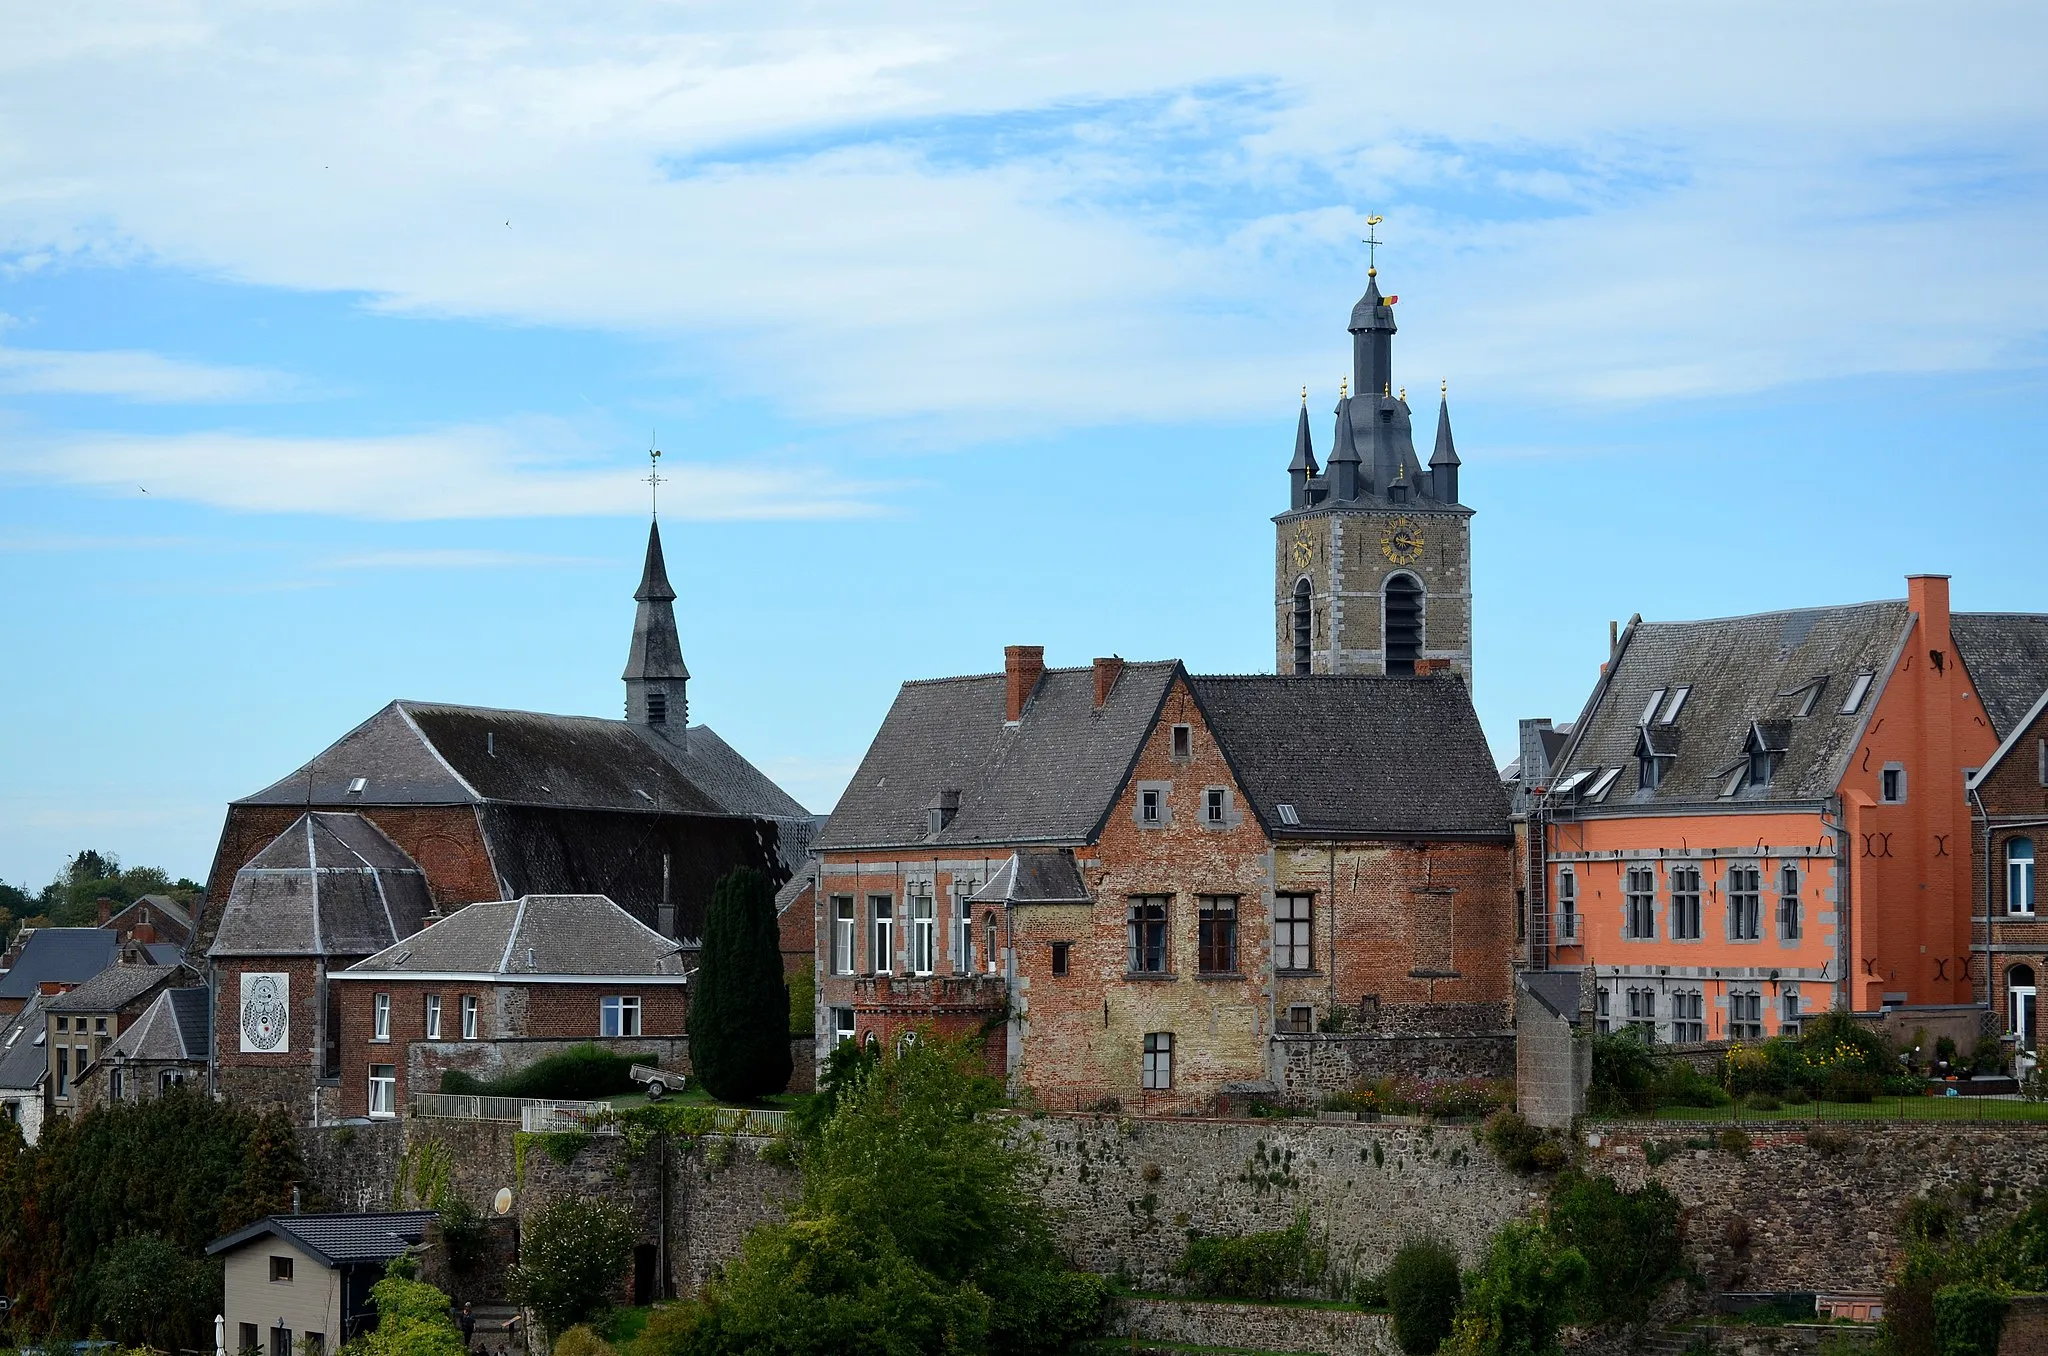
(301, 1283)
(496, 986)
(493, 804)
(1147, 886)
(1758, 818)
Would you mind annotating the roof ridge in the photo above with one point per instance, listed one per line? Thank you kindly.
(1779, 612)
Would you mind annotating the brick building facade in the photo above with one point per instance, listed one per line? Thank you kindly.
(2009, 804)
(1129, 880)
(499, 985)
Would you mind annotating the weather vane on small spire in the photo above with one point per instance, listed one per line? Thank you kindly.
(655, 479)
(1371, 241)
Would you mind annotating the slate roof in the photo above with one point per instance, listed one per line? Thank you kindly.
(794, 888)
(173, 1029)
(1357, 756)
(338, 1239)
(112, 988)
(428, 753)
(1048, 779)
(1036, 876)
(1745, 674)
(2007, 656)
(1556, 990)
(162, 906)
(59, 955)
(23, 1059)
(330, 885)
(534, 935)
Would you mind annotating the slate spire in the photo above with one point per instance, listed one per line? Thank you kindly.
(1372, 341)
(1344, 456)
(1302, 469)
(1443, 463)
(657, 680)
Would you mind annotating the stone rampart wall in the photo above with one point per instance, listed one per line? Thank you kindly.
(1254, 1327)
(1312, 1066)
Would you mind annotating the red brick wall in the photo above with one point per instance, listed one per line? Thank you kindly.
(510, 1011)
(798, 926)
(2016, 803)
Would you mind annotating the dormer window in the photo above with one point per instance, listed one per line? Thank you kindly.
(1767, 743)
(1649, 771)
(945, 807)
(1655, 748)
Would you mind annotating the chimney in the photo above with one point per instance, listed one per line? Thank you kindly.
(1927, 595)
(144, 932)
(1107, 671)
(1023, 666)
(1431, 668)
(106, 908)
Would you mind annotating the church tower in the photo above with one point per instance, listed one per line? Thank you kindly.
(1373, 567)
(657, 682)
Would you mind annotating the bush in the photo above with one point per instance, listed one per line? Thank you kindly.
(1423, 1291)
(803, 1003)
(1733, 1142)
(1968, 1319)
(1828, 1143)
(1624, 1073)
(583, 1073)
(412, 1317)
(1682, 1085)
(581, 1340)
(1762, 1101)
(1629, 1240)
(671, 1329)
(1988, 1057)
(1513, 1140)
(1525, 1290)
(572, 1256)
(1370, 1292)
(1259, 1266)
(1850, 1085)
(148, 1290)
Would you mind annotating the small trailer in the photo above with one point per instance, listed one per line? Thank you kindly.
(658, 1081)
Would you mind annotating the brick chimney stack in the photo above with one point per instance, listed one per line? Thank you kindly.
(1023, 666)
(106, 909)
(1107, 671)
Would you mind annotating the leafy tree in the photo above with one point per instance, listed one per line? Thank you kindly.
(571, 1258)
(1423, 1290)
(148, 1293)
(917, 1230)
(413, 1318)
(1520, 1296)
(72, 899)
(739, 1004)
(1628, 1238)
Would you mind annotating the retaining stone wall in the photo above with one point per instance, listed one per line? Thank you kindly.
(1129, 1191)
(1260, 1327)
(1312, 1066)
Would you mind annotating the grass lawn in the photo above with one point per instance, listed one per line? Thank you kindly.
(1879, 1109)
(696, 1096)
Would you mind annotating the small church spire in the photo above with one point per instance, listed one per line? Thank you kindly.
(657, 680)
(1443, 463)
(1302, 469)
(1344, 456)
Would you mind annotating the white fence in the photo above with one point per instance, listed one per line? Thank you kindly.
(597, 1118)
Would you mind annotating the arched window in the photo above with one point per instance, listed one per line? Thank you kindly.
(1301, 626)
(2019, 1003)
(1403, 623)
(2019, 875)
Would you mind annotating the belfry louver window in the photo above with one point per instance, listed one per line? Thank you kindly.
(1403, 624)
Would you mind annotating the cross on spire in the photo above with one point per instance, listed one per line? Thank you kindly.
(1371, 241)
(655, 479)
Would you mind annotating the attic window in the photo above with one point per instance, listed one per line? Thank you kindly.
(1287, 813)
(356, 785)
(1671, 709)
(1854, 700)
(1649, 771)
(1183, 741)
(1650, 706)
(1601, 784)
(1571, 783)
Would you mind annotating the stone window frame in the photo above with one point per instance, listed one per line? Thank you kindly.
(1603, 1006)
(1732, 914)
(1387, 660)
(1688, 1016)
(1642, 1007)
(1686, 881)
(1181, 743)
(1163, 804)
(1220, 799)
(1791, 904)
(1568, 905)
(1633, 899)
(2021, 876)
(881, 934)
(921, 910)
(842, 1025)
(1745, 1014)
(1891, 784)
(1791, 1016)
(1301, 626)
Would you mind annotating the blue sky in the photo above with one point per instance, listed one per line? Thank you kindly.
(331, 338)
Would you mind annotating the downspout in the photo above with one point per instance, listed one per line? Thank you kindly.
(1844, 976)
(1982, 816)
(1331, 962)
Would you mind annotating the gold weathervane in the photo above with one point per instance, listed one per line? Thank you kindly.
(655, 479)
(1371, 241)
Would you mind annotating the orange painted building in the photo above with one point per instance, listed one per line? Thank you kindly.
(1760, 818)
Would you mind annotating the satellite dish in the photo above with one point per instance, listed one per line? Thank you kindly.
(502, 1202)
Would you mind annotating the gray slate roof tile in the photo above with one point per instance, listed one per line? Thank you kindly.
(1036, 876)
(113, 988)
(338, 1238)
(2007, 656)
(24, 1058)
(537, 934)
(331, 884)
(59, 955)
(172, 1029)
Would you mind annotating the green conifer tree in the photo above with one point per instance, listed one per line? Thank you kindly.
(739, 1004)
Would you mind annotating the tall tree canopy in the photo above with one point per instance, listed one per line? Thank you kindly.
(739, 1005)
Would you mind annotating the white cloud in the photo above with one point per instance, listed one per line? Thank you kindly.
(128, 375)
(452, 558)
(534, 470)
(1072, 212)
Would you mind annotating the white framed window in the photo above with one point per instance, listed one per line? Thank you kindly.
(1685, 903)
(1639, 895)
(1789, 920)
(1891, 784)
(2019, 875)
(1745, 1016)
(433, 1016)
(1215, 806)
(1688, 1016)
(380, 1017)
(2020, 998)
(1149, 806)
(168, 1079)
(881, 934)
(1145, 922)
(924, 935)
(1745, 903)
(618, 1015)
(842, 1026)
(383, 1090)
(63, 1071)
(1158, 1070)
(470, 1005)
(1567, 905)
(1294, 932)
(1789, 1022)
(842, 934)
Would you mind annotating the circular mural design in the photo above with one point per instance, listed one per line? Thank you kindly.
(263, 1012)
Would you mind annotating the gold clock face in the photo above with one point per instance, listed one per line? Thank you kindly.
(1401, 541)
(1303, 550)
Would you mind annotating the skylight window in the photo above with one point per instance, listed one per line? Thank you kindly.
(1671, 709)
(1598, 790)
(1287, 813)
(1650, 707)
(1857, 689)
(1573, 782)
(356, 785)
